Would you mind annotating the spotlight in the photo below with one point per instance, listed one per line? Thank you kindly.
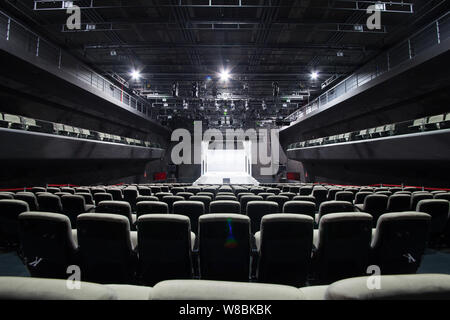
(224, 75)
(135, 75)
(314, 75)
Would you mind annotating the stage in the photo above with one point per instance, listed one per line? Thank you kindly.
(234, 178)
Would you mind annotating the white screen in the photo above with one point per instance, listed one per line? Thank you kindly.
(226, 160)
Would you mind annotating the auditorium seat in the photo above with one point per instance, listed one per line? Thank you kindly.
(224, 247)
(290, 195)
(241, 194)
(6, 196)
(146, 198)
(73, 205)
(361, 196)
(185, 195)
(68, 190)
(285, 244)
(47, 244)
(375, 205)
(122, 208)
(275, 191)
(439, 210)
(208, 194)
(392, 287)
(164, 248)
(29, 198)
(150, 207)
(193, 189)
(170, 200)
(102, 196)
(300, 207)
(161, 195)
(60, 194)
(175, 190)
(116, 193)
(342, 246)
(95, 190)
(320, 194)
(225, 197)
(331, 195)
(144, 191)
(305, 190)
(130, 195)
(225, 206)
(305, 198)
(49, 203)
(155, 189)
(87, 197)
(399, 241)
(244, 199)
(264, 195)
(192, 209)
(444, 196)
(38, 189)
(223, 290)
(398, 202)
(82, 190)
(416, 197)
(53, 190)
(344, 196)
(258, 209)
(335, 206)
(105, 247)
(281, 200)
(9, 213)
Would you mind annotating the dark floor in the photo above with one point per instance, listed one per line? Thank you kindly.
(434, 261)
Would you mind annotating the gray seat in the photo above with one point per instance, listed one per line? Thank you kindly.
(49, 203)
(344, 196)
(161, 195)
(38, 189)
(6, 196)
(130, 195)
(334, 206)
(106, 252)
(144, 191)
(223, 290)
(275, 191)
(47, 244)
(146, 198)
(290, 195)
(244, 199)
(264, 195)
(155, 189)
(176, 190)
(73, 205)
(122, 208)
(224, 245)
(29, 198)
(398, 203)
(305, 190)
(225, 197)
(88, 199)
(342, 249)
(416, 197)
(399, 241)
(281, 200)
(375, 205)
(439, 210)
(68, 190)
(116, 193)
(192, 209)
(320, 194)
(256, 210)
(193, 189)
(244, 193)
(170, 200)
(164, 248)
(26, 288)
(332, 193)
(285, 249)
(305, 198)
(150, 207)
(53, 190)
(300, 207)
(444, 196)
(361, 196)
(206, 200)
(9, 228)
(224, 206)
(393, 287)
(102, 196)
(185, 195)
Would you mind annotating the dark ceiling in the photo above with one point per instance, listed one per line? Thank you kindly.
(262, 43)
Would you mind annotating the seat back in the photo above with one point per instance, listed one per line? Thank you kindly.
(144, 191)
(361, 196)
(225, 197)
(150, 207)
(193, 190)
(281, 200)
(49, 203)
(73, 205)
(225, 206)
(88, 199)
(290, 195)
(122, 208)
(275, 191)
(244, 199)
(393, 287)
(105, 248)
(400, 241)
(444, 196)
(376, 205)
(206, 200)
(146, 198)
(9, 227)
(161, 195)
(320, 194)
(68, 190)
(256, 210)
(164, 248)
(344, 196)
(224, 243)
(343, 246)
(439, 210)
(102, 196)
(285, 250)
(399, 202)
(300, 207)
(192, 209)
(170, 200)
(185, 195)
(176, 190)
(116, 193)
(29, 198)
(416, 197)
(328, 207)
(130, 195)
(47, 243)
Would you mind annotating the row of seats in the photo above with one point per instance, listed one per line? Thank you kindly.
(435, 122)
(288, 249)
(23, 123)
(400, 287)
